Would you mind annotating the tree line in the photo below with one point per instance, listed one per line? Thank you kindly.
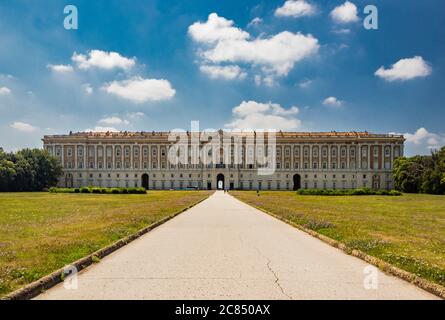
(421, 174)
(28, 170)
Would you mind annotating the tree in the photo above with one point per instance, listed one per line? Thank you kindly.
(424, 174)
(45, 169)
(408, 174)
(7, 171)
(28, 170)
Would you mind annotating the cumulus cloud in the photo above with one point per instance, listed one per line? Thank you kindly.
(422, 141)
(113, 121)
(345, 13)
(254, 22)
(332, 102)
(296, 9)
(4, 91)
(140, 90)
(223, 72)
(216, 29)
(103, 60)
(255, 115)
(276, 55)
(23, 127)
(423, 136)
(61, 68)
(405, 69)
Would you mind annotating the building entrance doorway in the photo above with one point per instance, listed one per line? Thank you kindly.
(69, 180)
(220, 182)
(297, 182)
(145, 181)
(376, 182)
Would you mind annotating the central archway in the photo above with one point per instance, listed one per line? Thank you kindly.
(144, 183)
(297, 182)
(220, 181)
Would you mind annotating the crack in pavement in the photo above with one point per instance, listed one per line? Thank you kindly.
(268, 266)
(277, 280)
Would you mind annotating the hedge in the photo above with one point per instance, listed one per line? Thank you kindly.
(98, 190)
(352, 192)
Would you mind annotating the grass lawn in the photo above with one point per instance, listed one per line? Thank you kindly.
(406, 231)
(42, 232)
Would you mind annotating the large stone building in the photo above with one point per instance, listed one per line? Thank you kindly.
(333, 160)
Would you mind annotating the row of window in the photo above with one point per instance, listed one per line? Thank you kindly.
(375, 150)
(287, 165)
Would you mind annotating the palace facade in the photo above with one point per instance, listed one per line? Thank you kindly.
(331, 160)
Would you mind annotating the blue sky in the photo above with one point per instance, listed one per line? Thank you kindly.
(157, 65)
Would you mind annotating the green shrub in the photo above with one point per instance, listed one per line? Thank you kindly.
(60, 190)
(85, 190)
(342, 192)
(99, 190)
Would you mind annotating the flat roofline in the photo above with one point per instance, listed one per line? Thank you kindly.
(280, 133)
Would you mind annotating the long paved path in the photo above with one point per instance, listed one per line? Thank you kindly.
(225, 249)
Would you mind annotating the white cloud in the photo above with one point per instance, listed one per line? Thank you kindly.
(88, 89)
(141, 90)
(345, 13)
(305, 84)
(61, 68)
(4, 91)
(135, 115)
(254, 22)
(422, 136)
(422, 141)
(341, 31)
(113, 121)
(223, 43)
(268, 80)
(216, 29)
(255, 115)
(103, 60)
(296, 9)
(23, 127)
(223, 72)
(102, 129)
(405, 69)
(332, 102)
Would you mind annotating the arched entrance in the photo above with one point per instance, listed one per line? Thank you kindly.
(145, 181)
(297, 182)
(220, 182)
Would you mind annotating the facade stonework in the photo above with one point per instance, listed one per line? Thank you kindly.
(330, 160)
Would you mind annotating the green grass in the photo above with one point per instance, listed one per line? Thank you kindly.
(406, 231)
(42, 232)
